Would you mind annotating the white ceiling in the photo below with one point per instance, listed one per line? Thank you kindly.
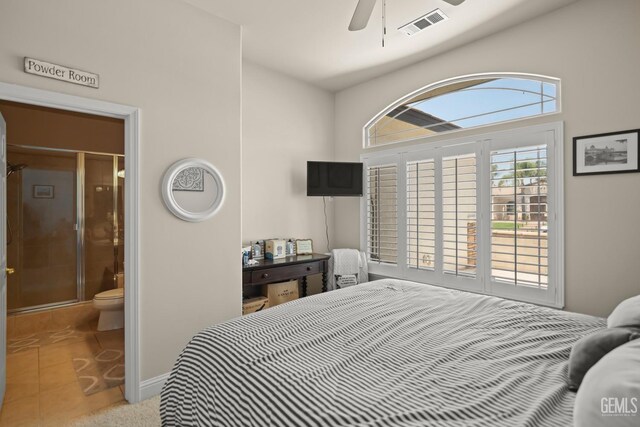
(309, 40)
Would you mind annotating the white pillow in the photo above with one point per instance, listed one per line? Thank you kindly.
(627, 313)
(610, 392)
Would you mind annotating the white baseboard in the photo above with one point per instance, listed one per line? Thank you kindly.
(152, 386)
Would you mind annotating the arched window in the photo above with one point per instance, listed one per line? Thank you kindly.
(480, 211)
(464, 103)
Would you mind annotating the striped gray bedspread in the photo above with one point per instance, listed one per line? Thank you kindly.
(384, 353)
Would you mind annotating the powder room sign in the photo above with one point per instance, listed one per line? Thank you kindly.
(59, 72)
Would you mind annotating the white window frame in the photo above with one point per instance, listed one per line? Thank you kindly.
(481, 145)
(451, 81)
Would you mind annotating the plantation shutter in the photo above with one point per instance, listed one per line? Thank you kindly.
(519, 216)
(481, 216)
(421, 210)
(382, 213)
(459, 222)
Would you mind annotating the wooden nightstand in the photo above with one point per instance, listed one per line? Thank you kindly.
(289, 268)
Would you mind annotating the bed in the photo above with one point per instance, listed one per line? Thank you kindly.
(383, 353)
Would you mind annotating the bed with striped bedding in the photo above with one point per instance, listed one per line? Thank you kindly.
(384, 353)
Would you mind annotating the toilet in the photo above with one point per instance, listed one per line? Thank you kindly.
(111, 306)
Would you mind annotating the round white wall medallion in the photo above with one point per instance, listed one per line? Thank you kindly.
(193, 189)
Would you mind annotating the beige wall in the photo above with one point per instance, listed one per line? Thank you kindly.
(182, 68)
(595, 49)
(285, 123)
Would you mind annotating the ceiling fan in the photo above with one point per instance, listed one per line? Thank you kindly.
(364, 9)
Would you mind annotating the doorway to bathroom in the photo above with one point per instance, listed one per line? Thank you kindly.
(65, 206)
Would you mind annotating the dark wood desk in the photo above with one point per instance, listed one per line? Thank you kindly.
(289, 268)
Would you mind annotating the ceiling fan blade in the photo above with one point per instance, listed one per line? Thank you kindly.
(361, 16)
(454, 2)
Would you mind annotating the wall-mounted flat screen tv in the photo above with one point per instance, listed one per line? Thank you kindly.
(334, 179)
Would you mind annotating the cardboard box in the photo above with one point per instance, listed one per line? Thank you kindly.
(251, 305)
(275, 249)
(279, 293)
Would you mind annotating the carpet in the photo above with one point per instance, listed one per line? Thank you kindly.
(143, 414)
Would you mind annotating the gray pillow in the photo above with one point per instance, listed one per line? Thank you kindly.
(610, 392)
(627, 313)
(586, 352)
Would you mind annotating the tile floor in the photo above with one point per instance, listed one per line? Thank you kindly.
(42, 386)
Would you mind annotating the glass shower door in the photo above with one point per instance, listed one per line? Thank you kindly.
(42, 228)
(65, 229)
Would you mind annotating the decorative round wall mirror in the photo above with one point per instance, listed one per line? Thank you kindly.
(193, 189)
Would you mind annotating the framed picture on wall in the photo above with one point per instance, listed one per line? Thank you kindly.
(605, 153)
(43, 191)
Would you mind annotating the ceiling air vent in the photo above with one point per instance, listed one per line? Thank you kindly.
(423, 22)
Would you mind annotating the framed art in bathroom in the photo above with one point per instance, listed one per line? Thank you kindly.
(43, 191)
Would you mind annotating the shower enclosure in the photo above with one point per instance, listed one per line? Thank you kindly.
(65, 226)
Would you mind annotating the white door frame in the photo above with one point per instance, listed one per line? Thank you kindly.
(131, 117)
(3, 259)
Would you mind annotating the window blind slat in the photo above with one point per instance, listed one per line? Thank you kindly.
(459, 206)
(519, 254)
(421, 214)
(382, 214)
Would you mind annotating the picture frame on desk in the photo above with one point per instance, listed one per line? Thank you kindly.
(304, 246)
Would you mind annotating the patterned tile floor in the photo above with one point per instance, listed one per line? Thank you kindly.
(43, 387)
